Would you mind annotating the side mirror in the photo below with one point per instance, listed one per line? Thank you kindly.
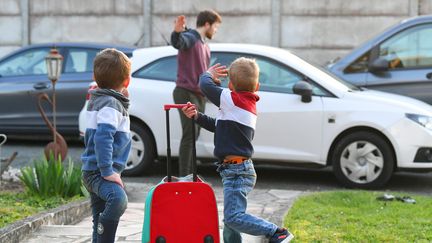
(303, 89)
(378, 65)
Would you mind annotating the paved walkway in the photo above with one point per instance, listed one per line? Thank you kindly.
(268, 204)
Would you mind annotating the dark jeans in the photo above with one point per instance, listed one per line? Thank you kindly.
(108, 199)
(182, 96)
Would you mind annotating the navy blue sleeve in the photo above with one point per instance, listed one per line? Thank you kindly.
(211, 90)
(206, 122)
(183, 40)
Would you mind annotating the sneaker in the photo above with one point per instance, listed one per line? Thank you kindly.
(281, 236)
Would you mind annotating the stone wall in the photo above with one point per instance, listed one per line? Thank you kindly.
(317, 29)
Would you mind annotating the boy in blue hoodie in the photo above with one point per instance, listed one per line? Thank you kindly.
(234, 129)
(107, 143)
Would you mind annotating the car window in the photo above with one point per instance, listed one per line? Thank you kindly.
(360, 65)
(274, 76)
(162, 69)
(411, 48)
(80, 60)
(29, 62)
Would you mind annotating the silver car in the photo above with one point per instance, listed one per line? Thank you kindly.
(399, 60)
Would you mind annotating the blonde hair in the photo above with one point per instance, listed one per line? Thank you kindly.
(111, 68)
(244, 74)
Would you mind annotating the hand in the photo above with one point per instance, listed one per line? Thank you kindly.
(190, 110)
(115, 178)
(217, 71)
(180, 24)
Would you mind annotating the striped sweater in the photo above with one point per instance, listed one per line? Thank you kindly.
(107, 137)
(234, 126)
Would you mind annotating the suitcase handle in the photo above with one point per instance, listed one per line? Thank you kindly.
(194, 164)
(176, 106)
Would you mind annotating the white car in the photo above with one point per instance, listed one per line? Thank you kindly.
(306, 117)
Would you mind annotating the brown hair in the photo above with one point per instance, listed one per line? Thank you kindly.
(110, 68)
(208, 16)
(244, 74)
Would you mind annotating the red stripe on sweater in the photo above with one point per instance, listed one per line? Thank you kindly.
(245, 100)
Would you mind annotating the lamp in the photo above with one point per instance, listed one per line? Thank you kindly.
(54, 62)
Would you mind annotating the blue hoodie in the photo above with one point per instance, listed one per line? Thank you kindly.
(107, 137)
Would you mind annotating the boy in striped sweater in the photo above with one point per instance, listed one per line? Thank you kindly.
(107, 142)
(234, 129)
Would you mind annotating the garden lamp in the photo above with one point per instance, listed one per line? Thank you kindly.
(54, 62)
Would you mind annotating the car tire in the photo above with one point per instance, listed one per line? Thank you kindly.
(142, 156)
(363, 160)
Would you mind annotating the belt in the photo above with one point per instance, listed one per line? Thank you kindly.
(235, 160)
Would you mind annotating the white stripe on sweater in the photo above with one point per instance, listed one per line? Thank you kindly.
(229, 111)
(108, 115)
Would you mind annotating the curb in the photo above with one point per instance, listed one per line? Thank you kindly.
(70, 213)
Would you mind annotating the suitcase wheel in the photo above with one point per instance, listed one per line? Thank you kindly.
(161, 239)
(208, 239)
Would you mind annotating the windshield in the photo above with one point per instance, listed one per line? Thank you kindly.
(336, 78)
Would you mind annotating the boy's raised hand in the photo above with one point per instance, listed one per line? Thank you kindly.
(115, 178)
(190, 110)
(218, 71)
(180, 24)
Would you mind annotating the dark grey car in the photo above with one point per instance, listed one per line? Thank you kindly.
(399, 60)
(23, 76)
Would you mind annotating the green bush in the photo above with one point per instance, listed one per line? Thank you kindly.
(52, 178)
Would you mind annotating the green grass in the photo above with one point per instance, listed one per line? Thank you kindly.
(356, 216)
(16, 206)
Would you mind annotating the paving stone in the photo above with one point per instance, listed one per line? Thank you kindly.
(269, 204)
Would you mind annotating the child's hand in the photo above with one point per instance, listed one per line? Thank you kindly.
(217, 71)
(115, 178)
(190, 110)
(180, 24)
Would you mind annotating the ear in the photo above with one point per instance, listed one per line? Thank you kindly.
(93, 77)
(230, 86)
(257, 87)
(126, 82)
(207, 25)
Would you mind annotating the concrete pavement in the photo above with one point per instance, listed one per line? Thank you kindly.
(269, 204)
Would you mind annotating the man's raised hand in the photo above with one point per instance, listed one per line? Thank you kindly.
(180, 24)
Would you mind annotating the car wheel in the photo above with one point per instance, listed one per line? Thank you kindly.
(142, 155)
(363, 160)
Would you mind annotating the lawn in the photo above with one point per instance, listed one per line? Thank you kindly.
(16, 206)
(357, 216)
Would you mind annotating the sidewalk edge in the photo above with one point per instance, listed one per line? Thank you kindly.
(70, 213)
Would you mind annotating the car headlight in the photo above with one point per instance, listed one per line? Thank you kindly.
(425, 121)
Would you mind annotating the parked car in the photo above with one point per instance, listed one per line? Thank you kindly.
(306, 117)
(23, 76)
(398, 60)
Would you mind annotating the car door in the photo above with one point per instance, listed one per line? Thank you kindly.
(22, 77)
(72, 87)
(409, 57)
(287, 129)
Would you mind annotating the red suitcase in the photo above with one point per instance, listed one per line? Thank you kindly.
(180, 211)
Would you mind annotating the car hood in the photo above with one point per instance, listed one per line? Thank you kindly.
(378, 100)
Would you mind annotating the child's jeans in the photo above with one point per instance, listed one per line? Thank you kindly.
(108, 199)
(238, 180)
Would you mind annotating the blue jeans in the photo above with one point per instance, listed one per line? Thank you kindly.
(238, 181)
(108, 199)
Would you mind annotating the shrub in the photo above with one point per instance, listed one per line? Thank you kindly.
(52, 178)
